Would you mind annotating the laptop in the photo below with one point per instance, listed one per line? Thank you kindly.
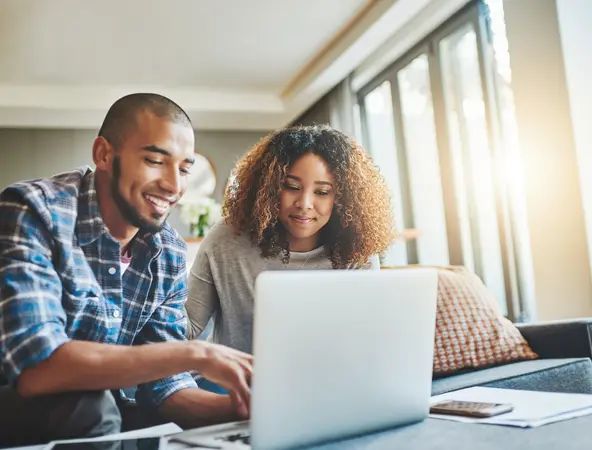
(337, 354)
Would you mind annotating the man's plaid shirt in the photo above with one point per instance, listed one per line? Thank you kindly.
(61, 279)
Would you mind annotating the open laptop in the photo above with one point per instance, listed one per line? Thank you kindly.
(337, 354)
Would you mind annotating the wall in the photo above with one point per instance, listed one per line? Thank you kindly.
(32, 153)
(575, 17)
(553, 195)
(336, 108)
(319, 113)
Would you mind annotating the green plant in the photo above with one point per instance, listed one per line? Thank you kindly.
(201, 215)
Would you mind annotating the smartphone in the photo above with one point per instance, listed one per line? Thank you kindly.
(470, 409)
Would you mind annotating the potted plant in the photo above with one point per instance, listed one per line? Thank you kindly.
(201, 215)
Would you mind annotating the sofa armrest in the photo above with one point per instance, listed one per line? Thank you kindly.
(559, 339)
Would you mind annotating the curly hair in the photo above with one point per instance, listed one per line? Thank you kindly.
(361, 223)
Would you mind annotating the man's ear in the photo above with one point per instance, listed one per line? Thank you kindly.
(103, 154)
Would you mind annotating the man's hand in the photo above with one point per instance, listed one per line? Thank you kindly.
(230, 369)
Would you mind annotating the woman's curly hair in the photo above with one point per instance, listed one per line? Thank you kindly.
(361, 224)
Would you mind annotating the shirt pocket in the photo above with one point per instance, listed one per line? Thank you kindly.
(86, 312)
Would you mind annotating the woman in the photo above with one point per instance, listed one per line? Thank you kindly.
(302, 198)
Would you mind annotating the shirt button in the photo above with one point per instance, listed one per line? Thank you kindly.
(112, 270)
(116, 313)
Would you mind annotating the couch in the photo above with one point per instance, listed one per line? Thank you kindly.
(565, 364)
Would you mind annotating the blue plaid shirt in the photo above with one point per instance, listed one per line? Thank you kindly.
(61, 279)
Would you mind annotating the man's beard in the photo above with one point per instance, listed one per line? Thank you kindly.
(128, 212)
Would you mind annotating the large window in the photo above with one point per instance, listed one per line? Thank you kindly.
(425, 185)
(381, 136)
(470, 150)
(437, 124)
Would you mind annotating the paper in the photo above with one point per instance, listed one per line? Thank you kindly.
(531, 408)
(181, 446)
(29, 447)
(151, 432)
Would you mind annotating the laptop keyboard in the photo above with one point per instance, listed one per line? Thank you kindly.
(245, 438)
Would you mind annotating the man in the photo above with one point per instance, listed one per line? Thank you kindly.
(90, 273)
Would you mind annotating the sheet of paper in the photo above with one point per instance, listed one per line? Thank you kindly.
(157, 431)
(29, 447)
(180, 446)
(531, 408)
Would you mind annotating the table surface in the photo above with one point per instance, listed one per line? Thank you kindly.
(439, 434)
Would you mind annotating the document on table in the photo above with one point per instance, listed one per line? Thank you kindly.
(151, 432)
(531, 408)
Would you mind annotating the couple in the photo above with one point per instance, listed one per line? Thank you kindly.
(90, 272)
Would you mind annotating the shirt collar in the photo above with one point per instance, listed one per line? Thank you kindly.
(151, 241)
(89, 222)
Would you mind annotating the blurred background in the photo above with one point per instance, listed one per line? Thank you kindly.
(477, 113)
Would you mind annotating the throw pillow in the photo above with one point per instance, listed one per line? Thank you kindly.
(471, 331)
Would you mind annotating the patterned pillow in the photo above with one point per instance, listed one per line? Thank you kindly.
(471, 331)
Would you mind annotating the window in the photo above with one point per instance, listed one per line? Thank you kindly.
(471, 155)
(438, 123)
(425, 185)
(378, 115)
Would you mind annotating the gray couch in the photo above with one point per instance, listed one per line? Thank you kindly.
(565, 348)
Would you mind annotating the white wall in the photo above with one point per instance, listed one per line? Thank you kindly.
(575, 18)
(553, 196)
(33, 153)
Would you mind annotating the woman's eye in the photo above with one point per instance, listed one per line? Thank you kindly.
(152, 161)
(186, 171)
(322, 193)
(290, 187)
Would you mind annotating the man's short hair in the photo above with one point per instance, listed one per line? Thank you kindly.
(120, 120)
